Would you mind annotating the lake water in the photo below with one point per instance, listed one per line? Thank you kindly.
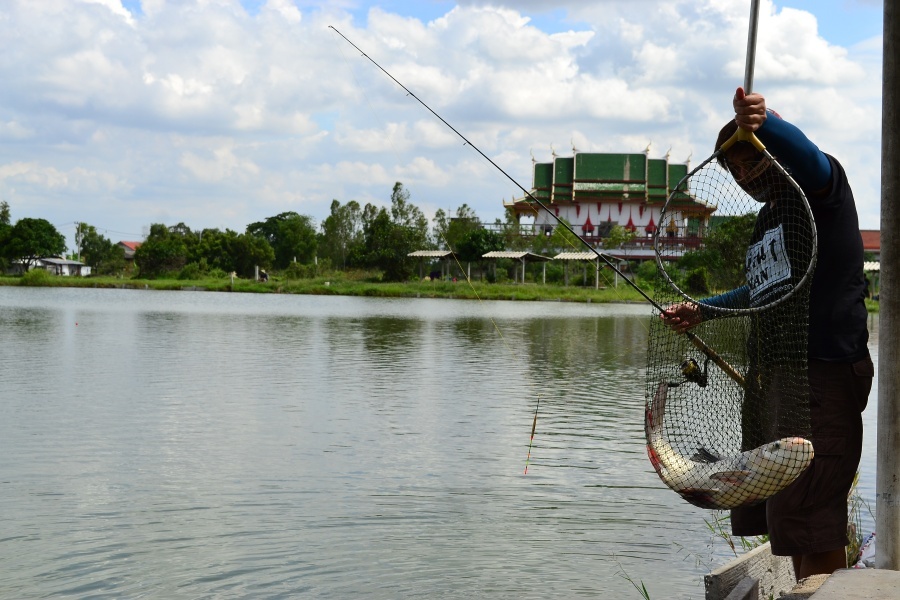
(213, 445)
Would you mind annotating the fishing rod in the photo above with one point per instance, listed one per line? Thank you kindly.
(698, 343)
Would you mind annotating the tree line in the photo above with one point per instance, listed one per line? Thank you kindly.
(352, 236)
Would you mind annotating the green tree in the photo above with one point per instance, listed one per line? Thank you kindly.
(561, 239)
(31, 239)
(388, 238)
(208, 250)
(449, 232)
(723, 252)
(292, 237)
(161, 253)
(247, 251)
(230, 251)
(103, 256)
(342, 233)
(5, 226)
(387, 246)
(477, 243)
(182, 230)
(297, 241)
(618, 237)
(440, 228)
(408, 215)
(511, 230)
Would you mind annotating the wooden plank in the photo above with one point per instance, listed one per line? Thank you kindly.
(774, 573)
(747, 589)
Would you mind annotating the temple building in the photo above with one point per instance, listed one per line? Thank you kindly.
(595, 191)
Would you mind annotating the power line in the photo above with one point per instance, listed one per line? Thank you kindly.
(100, 229)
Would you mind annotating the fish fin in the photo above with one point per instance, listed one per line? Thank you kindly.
(706, 456)
(732, 477)
(704, 498)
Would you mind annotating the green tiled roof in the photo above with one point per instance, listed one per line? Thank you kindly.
(676, 173)
(563, 169)
(604, 177)
(657, 179)
(598, 176)
(543, 181)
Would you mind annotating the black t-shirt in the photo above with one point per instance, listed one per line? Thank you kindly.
(777, 259)
(837, 311)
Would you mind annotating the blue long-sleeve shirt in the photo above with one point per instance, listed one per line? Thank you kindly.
(838, 315)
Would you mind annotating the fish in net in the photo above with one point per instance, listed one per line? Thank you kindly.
(727, 401)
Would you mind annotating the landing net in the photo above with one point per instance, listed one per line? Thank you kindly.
(730, 427)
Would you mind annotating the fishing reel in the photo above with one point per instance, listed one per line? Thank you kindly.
(693, 373)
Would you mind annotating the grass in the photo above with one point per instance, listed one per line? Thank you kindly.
(357, 284)
(341, 284)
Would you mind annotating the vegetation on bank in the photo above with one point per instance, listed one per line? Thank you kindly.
(368, 251)
(346, 284)
(363, 283)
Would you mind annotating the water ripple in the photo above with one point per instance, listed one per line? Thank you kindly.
(193, 445)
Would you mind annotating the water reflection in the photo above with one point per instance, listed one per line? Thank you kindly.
(215, 445)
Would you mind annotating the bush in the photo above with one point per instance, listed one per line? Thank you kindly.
(190, 271)
(646, 271)
(36, 276)
(217, 274)
(648, 276)
(298, 271)
(697, 281)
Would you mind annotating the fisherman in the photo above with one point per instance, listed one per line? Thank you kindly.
(808, 519)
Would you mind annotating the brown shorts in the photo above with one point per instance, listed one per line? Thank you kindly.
(810, 515)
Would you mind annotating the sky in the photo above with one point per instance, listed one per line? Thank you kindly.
(221, 113)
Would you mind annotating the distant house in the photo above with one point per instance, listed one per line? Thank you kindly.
(129, 248)
(65, 267)
(54, 265)
(872, 241)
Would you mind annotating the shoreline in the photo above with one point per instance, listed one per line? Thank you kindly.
(459, 290)
(321, 286)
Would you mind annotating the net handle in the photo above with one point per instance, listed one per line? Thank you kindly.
(742, 135)
(751, 46)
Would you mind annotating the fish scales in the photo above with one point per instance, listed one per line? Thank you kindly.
(712, 482)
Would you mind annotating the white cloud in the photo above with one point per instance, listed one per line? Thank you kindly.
(221, 164)
(285, 9)
(193, 104)
(114, 6)
(53, 180)
(13, 130)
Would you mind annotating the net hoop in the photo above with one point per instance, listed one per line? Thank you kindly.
(722, 311)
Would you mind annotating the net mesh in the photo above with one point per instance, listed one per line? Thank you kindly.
(727, 406)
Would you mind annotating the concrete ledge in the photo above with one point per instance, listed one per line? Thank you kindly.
(805, 588)
(860, 584)
(775, 574)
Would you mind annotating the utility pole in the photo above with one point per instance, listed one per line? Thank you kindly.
(887, 479)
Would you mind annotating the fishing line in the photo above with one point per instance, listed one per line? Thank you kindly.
(696, 341)
(516, 359)
(508, 348)
(466, 141)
